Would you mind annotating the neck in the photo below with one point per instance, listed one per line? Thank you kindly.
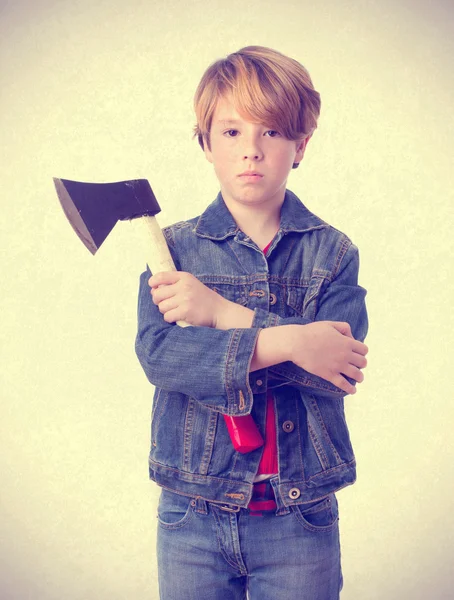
(260, 223)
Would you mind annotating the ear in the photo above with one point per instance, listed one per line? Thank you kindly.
(301, 148)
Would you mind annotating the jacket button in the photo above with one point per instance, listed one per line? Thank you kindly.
(273, 299)
(259, 382)
(294, 493)
(288, 426)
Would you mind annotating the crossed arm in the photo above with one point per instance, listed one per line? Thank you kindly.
(326, 348)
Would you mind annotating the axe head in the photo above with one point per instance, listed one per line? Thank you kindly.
(94, 208)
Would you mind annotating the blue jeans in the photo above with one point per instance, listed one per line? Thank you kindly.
(208, 553)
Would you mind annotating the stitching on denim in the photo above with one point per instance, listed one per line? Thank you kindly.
(288, 250)
(229, 367)
(306, 229)
(234, 280)
(158, 415)
(187, 517)
(233, 292)
(221, 549)
(188, 432)
(236, 544)
(184, 521)
(273, 320)
(285, 487)
(313, 296)
(235, 254)
(322, 505)
(318, 448)
(300, 450)
(209, 442)
(190, 477)
(322, 424)
(315, 528)
(305, 381)
(298, 297)
(346, 243)
(324, 474)
(216, 238)
(332, 491)
(177, 226)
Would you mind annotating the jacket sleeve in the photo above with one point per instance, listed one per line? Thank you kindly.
(207, 364)
(342, 300)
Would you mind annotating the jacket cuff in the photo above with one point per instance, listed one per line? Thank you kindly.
(238, 361)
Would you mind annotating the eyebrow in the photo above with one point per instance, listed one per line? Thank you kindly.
(228, 121)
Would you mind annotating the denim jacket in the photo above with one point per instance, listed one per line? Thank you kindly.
(310, 273)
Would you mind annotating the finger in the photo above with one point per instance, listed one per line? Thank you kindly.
(360, 348)
(172, 316)
(166, 305)
(340, 381)
(358, 360)
(354, 373)
(162, 293)
(164, 278)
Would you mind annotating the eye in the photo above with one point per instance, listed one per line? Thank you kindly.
(231, 132)
(272, 133)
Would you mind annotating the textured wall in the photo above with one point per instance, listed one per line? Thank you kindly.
(104, 92)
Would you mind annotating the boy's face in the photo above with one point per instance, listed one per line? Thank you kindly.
(251, 161)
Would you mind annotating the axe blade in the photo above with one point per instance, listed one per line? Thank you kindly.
(93, 209)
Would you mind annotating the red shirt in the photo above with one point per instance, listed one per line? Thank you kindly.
(268, 463)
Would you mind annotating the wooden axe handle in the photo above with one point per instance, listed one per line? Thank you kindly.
(158, 255)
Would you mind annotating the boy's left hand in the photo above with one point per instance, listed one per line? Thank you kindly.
(180, 296)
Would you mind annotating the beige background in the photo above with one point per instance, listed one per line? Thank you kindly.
(104, 93)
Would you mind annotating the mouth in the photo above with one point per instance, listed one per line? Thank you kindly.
(250, 176)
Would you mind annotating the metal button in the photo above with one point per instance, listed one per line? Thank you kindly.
(273, 299)
(288, 426)
(259, 382)
(294, 493)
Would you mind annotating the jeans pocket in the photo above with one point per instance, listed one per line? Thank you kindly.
(322, 516)
(174, 510)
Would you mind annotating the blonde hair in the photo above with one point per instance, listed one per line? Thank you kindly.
(266, 87)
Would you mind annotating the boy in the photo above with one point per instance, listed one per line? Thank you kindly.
(278, 321)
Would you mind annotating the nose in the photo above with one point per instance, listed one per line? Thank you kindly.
(252, 149)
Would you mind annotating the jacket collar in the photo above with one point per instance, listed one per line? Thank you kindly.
(217, 223)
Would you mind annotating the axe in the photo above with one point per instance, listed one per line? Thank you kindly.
(93, 209)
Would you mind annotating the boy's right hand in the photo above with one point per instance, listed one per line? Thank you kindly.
(328, 349)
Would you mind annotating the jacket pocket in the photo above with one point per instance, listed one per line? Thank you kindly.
(234, 291)
(303, 299)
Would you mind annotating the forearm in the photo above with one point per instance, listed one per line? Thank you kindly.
(234, 315)
(272, 347)
(275, 346)
(208, 364)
